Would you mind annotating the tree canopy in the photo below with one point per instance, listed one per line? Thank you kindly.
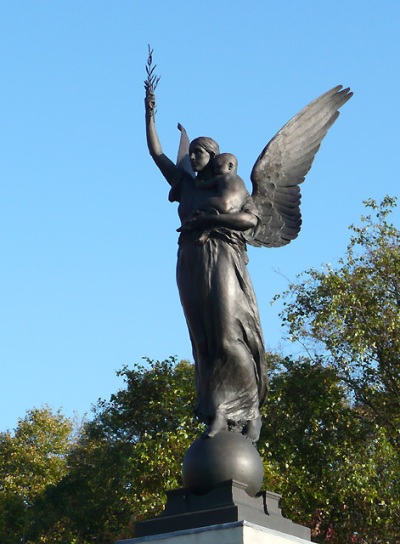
(351, 314)
(32, 460)
(348, 317)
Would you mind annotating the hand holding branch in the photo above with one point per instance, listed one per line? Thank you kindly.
(150, 84)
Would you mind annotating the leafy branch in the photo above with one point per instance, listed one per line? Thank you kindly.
(150, 84)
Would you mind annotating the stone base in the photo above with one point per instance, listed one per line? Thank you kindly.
(227, 503)
(239, 532)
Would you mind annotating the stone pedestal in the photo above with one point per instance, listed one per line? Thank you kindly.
(238, 532)
(227, 505)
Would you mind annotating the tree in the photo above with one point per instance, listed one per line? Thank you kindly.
(32, 459)
(335, 473)
(313, 443)
(128, 455)
(353, 313)
(349, 317)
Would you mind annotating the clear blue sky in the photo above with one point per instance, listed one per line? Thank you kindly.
(87, 235)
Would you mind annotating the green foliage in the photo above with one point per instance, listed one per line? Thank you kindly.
(156, 399)
(353, 312)
(350, 316)
(32, 459)
(128, 455)
(337, 472)
(337, 475)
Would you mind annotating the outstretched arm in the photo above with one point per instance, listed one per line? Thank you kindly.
(167, 167)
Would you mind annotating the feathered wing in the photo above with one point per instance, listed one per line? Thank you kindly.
(283, 165)
(183, 159)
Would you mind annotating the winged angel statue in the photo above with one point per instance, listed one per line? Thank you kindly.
(218, 218)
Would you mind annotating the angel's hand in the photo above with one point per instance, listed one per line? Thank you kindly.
(150, 102)
(203, 219)
(191, 223)
(188, 225)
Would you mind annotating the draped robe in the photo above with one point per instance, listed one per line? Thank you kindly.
(220, 310)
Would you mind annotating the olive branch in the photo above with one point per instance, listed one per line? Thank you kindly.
(150, 84)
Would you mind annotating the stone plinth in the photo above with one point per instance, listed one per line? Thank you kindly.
(239, 532)
(226, 503)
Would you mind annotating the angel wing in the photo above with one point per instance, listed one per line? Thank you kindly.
(183, 159)
(283, 165)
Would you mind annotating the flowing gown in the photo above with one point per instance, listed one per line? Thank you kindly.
(221, 311)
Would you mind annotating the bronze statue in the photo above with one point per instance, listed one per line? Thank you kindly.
(218, 218)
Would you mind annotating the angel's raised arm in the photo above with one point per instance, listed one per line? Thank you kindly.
(166, 166)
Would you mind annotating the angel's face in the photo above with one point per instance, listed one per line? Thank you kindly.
(199, 158)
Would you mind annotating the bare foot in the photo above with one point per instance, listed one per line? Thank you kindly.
(219, 423)
(252, 429)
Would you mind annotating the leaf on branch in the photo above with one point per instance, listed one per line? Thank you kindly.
(152, 80)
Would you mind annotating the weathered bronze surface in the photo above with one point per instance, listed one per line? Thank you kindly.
(218, 218)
